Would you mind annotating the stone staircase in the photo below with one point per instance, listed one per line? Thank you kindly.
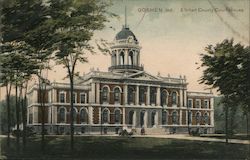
(152, 131)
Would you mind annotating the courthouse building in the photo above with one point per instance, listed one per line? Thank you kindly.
(124, 97)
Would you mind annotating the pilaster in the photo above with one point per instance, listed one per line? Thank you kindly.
(158, 96)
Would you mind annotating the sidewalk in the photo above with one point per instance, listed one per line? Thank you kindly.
(187, 137)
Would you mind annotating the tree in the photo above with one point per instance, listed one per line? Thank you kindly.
(80, 20)
(226, 70)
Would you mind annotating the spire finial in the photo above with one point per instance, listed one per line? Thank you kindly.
(125, 16)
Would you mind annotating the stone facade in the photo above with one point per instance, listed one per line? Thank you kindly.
(125, 97)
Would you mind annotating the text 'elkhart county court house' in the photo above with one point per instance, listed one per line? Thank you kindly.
(125, 97)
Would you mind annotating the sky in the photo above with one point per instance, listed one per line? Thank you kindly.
(172, 34)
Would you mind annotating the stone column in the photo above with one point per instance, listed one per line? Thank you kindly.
(146, 119)
(98, 93)
(187, 117)
(180, 117)
(125, 94)
(212, 111)
(126, 57)
(100, 115)
(148, 95)
(90, 115)
(181, 98)
(185, 97)
(54, 95)
(92, 93)
(123, 117)
(117, 58)
(158, 96)
(137, 95)
(134, 119)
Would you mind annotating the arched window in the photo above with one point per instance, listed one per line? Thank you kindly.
(122, 58)
(131, 95)
(131, 117)
(174, 97)
(83, 116)
(105, 93)
(117, 94)
(142, 114)
(198, 117)
(131, 59)
(117, 116)
(142, 96)
(105, 116)
(153, 118)
(174, 117)
(62, 115)
(152, 95)
(206, 118)
(74, 115)
(164, 117)
(164, 97)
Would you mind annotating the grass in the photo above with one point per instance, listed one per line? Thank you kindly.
(58, 147)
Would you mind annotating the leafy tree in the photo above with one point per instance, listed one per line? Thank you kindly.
(226, 70)
(76, 24)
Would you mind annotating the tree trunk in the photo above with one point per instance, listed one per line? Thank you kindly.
(226, 124)
(71, 111)
(41, 97)
(8, 114)
(24, 121)
(17, 120)
(247, 124)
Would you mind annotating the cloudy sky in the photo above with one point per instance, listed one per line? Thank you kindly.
(172, 34)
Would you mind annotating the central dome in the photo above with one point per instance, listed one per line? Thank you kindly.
(124, 34)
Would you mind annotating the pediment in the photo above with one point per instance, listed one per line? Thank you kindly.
(143, 76)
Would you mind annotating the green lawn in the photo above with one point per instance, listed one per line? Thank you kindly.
(58, 147)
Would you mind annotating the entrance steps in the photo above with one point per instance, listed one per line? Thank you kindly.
(152, 131)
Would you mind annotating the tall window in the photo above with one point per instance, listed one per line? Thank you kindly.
(105, 118)
(131, 60)
(62, 115)
(198, 117)
(174, 98)
(74, 98)
(105, 94)
(83, 98)
(198, 103)
(131, 117)
(62, 97)
(164, 98)
(153, 118)
(190, 103)
(117, 95)
(75, 115)
(142, 95)
(131, 95)
(30, 118)
(206, 103)
(117, 116)
(83, 116)
(206, 118)
(152, 96)
(174, 117)
(122, 58)
(142, 114)
(164, 117)
(190, 117)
